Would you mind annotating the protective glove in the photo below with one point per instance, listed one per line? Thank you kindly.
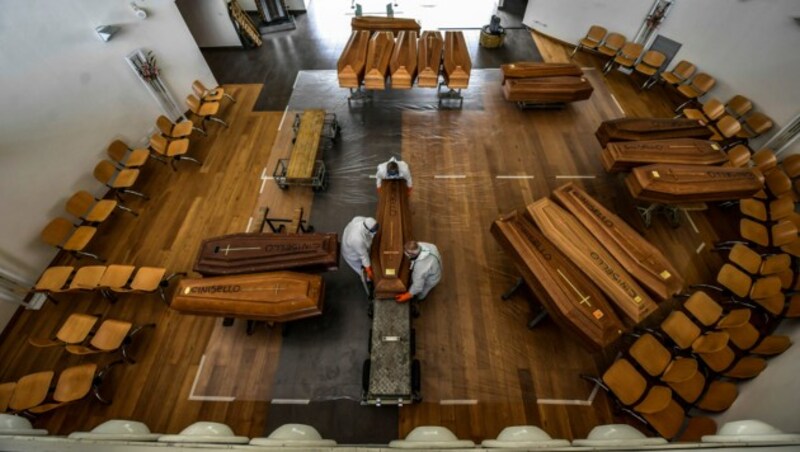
(379, 190)
(370, 274)
(409, 191)
(403, 297)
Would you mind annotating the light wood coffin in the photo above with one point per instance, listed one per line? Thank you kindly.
(403, 65)
(571, 299)
(270, 297)
(569, 236)
(456, 60)
(429, 59)
(691, 183)
(236, 254)
(642, 129)
(643, 260)
(547, 90)
(531, 69)
(353, 60)
(389, 263)
(624, 155)
(305, 149)
(378, 55)
(377, 23)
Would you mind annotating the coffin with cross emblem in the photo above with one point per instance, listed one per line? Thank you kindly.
(236, 254)
(641, 129)
(390, 266)
(571, 299)
(270, 297)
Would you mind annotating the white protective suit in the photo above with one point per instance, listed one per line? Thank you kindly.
(426, 270)
(404, 172)
(356, 244)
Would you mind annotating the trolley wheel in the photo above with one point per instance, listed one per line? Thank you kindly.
(416, 381)
(282, 186)
(413, 341)
(365, 370)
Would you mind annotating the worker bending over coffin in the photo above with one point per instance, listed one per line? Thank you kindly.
(426, 270)
(356, 243)
(393, 169)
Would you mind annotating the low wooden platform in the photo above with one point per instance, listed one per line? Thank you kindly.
(534, 69)
(236, 254)
(403, 64)
(643, 260)
(456, 61)
(547, 90)
(671, 184)
(378, 23)
(351, 64)
(624, 155)
(642, 129)
(378, 55)
(429, 59)
(389, 263)
(564, 291)
(305, 151)
(590, 255)
(270, 297)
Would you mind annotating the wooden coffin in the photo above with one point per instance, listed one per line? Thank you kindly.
(270, 297)
(378, 55)
(643, 260)
(531, 69)
(306, 149)
(456, 60)
(353, 60)
(236, 254)
(672, 184)
(624, 155)
(571, 299)
(429, 59)
(377, 23)
(569, 236)
(389, 263)
(547, 90)
(403, 64)
(643, 129)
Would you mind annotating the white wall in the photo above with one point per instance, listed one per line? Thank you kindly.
(751, 46)
(66, 96)
(209, 22)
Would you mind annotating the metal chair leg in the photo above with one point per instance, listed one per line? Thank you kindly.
(135, 193)
(219, 120)
(681, 106)
(574, 51)
(165, 283)
(190, 159)
(230, 97)
(98, 380)
(129, 340)
(125, 208)
(200, 130)
(84, 253)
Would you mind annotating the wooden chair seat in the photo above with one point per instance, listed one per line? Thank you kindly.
(738, 156)
(101, 211)
(755, 125)
(725, 128)
(668, 421)
(738, 106)
(148, 279)
(657, 400)
(6, 392)
(744, 257)
(31, 390)
(680, 370)
(117, 276)
(54, 279)
(774, 305)
(754, 232)
(125, 178)
(125, 156)
(744, 337)
(783, 232)
(792, 249)
(735, 318)
(791, 165)
(747, 367)
(86, 207)
(781, 208)
(612, 44)
(74, 331)
(80, 238)
(109, 337)
(772, 345)
(734, 280)
(719, 396)
(593, 37)
(753, 208)
(690, 389)
(650, 355)
(651, 62)
(765, 287)
(788, 278)
(680, 329)
(700, 84)
(680, 73)
(73, 384)
(703, 308)
(711, 342)
(630, 52)
(630, 387)
(778, 182)
(792, 307)
(765, 160)
(87, 278)
(720, 360)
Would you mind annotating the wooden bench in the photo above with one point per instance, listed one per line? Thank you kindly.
(390, 265)
(378, 55)
(429, 59)
(456, 60)
(403, 64)
(351, 64)
(377, 23)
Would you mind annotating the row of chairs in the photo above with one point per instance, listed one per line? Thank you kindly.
(205, 104)
(108, 280)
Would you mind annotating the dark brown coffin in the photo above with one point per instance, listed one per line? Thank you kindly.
(643, 260)
(389, 263)
(578, 244)
(403, 64)
(672, 184)
(546, 90)
(378, 54)
(429, 59)
(377, 23)
(270, 297)
(236, 254)
(352, 61)
(530, 69)
(643, 129)
(624, 155)
(456, 61)
(571, 299)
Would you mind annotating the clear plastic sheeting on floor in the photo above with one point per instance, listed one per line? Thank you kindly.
(468, 166)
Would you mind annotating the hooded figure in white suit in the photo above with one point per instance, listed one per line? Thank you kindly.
(357, 242)
(393, 169)
(426, 270)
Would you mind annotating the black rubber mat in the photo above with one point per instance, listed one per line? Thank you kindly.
(345, 421)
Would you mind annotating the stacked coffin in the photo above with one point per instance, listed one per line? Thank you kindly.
(620, 156)
(353, 60)
(544, 83)
(456, 61)
(674, 184)
(644, 129)
(581, 260)
(379, 53)
(429, 59)
(403, 64)
(376, 23)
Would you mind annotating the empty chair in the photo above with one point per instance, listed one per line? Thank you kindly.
(791, 166)
(74, 383)
(747, 338)
(87, 278)
(117, 180)
(756, 264)
(30, 391)
(592, 39)
(11, 425)
(213, 95)
(741, 285)
(116, 277)
(431, 437)
(172, 130)
(112, 335)
(205, 110)
(626, 57)
(754, 208)
(175, 150)
(778, 182)
(751, 431)
(205, 432)
(93, 210)
(709, 112)
(523, 437)
(293, 435)
(650, 65)
(148, 280)
(710, 314)
(755, 125)
(125, 156)
(54, 280)
(765, 160)
(738, 106)
(700, 84)
(679, 74)
(61, 234)
(725, 129)
(617, 435)
(782, 233)
(118, 430)
(738, 156)
(612, 44)
(74, 331)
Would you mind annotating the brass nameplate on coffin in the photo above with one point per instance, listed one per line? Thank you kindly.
(389, 272)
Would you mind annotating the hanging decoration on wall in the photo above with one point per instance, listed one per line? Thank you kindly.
(658, 12)
(145, 66)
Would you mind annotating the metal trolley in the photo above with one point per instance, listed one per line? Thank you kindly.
(318, 181)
